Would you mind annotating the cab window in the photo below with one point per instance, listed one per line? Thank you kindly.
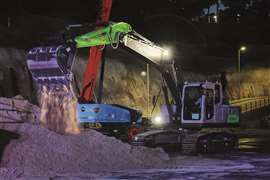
(217, 94)
(192, 103)
(209, 104)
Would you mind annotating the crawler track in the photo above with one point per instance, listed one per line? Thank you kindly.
(205, 143)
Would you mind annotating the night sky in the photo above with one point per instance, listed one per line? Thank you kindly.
(85, 11)
(167, 22)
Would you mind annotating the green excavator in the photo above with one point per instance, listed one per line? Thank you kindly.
(192, 106)
(51, 68)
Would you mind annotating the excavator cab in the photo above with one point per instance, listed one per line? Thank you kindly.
(51, 65)
(192, 108)
(202, 106)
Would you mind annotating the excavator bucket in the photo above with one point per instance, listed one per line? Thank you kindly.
(51, 66)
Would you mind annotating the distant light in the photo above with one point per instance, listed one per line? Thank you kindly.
(157, 120)
(243, 48)
(215, 18)
(143, 73)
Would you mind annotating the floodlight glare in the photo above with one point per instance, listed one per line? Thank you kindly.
(157, 120)
(166, 54)
(243, 48)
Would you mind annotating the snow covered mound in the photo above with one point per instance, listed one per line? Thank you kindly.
(41, 152)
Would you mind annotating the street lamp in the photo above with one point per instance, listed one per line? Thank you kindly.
(143, 73)
(215, 18)
(241, 49)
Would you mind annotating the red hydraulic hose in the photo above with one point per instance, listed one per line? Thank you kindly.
(94, 59)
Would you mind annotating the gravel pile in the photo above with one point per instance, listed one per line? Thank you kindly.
(42, 152)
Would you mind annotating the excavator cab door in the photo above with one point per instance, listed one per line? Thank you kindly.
(192, 103)
(198, 104)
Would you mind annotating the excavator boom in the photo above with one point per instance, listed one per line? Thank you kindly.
(51, 67)
(53, 64)
(57, 69)
(103, 36)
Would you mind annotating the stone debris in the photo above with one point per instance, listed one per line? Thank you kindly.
(18, 109)
(40, 152)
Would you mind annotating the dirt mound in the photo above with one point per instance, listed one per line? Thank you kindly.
(41, 152)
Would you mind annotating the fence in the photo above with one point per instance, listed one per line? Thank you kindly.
(252, 104)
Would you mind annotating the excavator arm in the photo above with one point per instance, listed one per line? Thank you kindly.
(112, 34)
(122, 33)
(103, 36)
(51, 66)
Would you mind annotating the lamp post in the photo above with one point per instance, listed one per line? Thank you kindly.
(146, 74)
(148, 89)
(241, 49)
(164, 55)
(143, 73)
(215, 17)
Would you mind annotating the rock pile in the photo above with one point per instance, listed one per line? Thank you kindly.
(41, 152)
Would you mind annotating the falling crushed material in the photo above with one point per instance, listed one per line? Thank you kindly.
(42, 152)
(58, 110)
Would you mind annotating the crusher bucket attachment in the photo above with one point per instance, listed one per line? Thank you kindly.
(51, 66)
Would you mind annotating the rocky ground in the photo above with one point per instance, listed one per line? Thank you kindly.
(239, 166)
